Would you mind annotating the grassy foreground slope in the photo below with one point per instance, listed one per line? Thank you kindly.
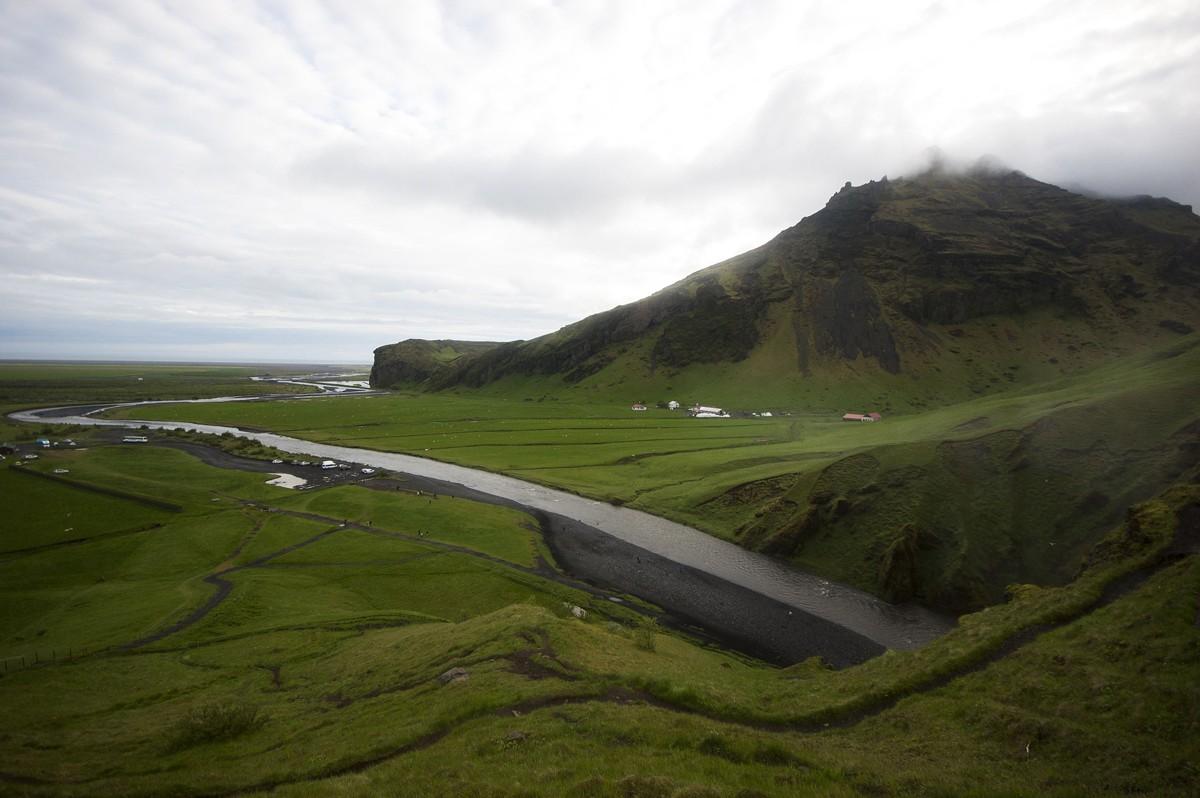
(946, 506)
(329, 665)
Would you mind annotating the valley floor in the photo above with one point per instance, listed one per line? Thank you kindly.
(945, 507)
(209, 634)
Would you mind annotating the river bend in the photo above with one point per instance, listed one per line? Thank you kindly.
(893, 626)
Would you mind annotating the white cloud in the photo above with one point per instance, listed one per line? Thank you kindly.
(316, 180)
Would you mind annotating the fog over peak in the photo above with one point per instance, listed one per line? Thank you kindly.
(304, 181)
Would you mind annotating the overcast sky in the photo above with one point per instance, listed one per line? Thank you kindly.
(307, 181)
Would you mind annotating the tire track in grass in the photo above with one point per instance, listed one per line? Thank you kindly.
(223, 588)
(116, 533)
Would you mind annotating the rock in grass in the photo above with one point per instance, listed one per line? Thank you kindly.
(454, 675)
(577, 611)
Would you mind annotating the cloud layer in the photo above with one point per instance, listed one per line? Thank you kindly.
(308, 181)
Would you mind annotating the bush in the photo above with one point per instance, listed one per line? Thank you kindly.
(714, 744)
(215, 722)
(776, 755)
(645, 787)
(643, 638)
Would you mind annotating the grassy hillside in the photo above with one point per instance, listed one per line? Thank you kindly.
(414, 362)
(946, 506)
(365, 660)
(901, 294)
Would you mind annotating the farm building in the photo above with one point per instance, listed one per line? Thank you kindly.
(856, 417)
(703, 411)
(638, 406)
(672, 405)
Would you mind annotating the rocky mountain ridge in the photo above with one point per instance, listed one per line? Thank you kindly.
(892, 278)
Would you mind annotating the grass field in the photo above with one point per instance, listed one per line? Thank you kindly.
(921, 506)
(318, 673)
(30, 384)
(194, 631)
(36, 384)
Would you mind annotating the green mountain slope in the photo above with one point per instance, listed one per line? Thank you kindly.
(413, 362)
(898, 294)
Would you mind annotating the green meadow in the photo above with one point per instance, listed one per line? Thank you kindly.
(167, 627)
(921, 506)
(28, 384)
(329, 666)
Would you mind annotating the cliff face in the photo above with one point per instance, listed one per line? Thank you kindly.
(412, 363)
(890, 278)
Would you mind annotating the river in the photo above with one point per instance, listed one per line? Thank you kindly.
(892, 626)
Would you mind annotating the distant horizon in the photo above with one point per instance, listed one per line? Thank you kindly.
(157, 362)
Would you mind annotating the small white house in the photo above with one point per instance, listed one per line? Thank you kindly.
(672, 405)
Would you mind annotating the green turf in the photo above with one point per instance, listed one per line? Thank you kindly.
(946, 506)
(39, 513)
(321, 667)
(140, 567)
(499, 531)
(554, 706)
(28, 384)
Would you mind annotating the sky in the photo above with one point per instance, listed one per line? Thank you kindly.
(242, 181)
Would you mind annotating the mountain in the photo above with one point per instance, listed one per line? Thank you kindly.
(898, 294)
(413, 362)
(1032, 351)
